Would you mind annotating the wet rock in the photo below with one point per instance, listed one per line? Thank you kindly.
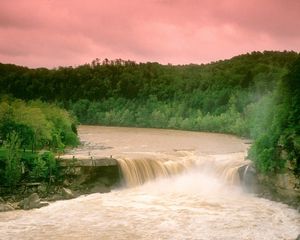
(105, 180)
(6, 207)
(281, 187)
(56, 197)
(43, 204)
(100, 188)
(67, 193)
(33, 201)
(15, 205)
(248, 177)
(286, 180)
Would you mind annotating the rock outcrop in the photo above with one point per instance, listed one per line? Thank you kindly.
(4, 207)
(67, 193)
(248, 177)
(283, 187)
(33, 201)
(99, 188)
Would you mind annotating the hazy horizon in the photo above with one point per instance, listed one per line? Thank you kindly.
(143, 62)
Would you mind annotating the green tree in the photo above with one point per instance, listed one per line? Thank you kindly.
(13, 168)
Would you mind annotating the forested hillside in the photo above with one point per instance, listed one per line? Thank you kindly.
(253, 95)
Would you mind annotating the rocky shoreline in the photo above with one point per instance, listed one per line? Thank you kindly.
(284, 187)
(271, 187)
(41, 195)
(80, 181)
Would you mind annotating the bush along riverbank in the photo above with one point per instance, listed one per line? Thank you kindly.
(31, 133)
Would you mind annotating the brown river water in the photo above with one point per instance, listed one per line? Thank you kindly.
(177, 185)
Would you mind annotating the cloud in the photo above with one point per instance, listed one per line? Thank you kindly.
(70, 32)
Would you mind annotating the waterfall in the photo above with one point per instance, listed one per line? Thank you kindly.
(137, 171)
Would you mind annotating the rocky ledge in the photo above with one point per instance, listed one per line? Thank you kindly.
(34, 200)
(78, 180)
(283, 187)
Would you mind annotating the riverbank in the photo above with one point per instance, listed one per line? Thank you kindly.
(283, 188)
(79, 182)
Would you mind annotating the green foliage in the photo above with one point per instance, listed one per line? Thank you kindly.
(44, 167)
(19, 166)
(38, 124)
(12, 171)
(61, 125)
(39, 168)
(275, 125)
(289, 104)
(32, 125)
(162, 114)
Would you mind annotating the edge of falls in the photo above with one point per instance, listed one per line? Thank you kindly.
(137, 171)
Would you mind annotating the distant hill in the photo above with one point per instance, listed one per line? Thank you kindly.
(127, 79)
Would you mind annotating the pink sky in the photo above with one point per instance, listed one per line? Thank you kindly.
(51, 33)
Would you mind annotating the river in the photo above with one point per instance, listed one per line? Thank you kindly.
(177, 185)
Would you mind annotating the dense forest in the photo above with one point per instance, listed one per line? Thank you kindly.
(254, 95)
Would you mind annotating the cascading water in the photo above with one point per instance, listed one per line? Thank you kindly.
(137, 171)
(186, 194)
